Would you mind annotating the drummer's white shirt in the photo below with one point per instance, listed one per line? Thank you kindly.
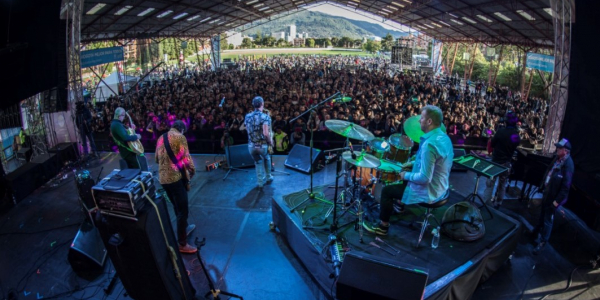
(428, 181)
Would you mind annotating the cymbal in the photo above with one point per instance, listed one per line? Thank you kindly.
(350, 130)
(363, 160)
(412, 128)
(390, 166)
(400, 141)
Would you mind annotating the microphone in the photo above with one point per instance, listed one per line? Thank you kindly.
(222, 101)
(335, 254)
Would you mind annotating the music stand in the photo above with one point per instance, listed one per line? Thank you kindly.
(481, 167)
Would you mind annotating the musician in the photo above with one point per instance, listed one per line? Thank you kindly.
(428, 179)
(556, 187)
(503, 144)
(84, 124)
(172, 180)
(121, 137)
(259, 139)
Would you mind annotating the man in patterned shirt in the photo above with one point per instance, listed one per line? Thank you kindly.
(259, 138)
(172, 181)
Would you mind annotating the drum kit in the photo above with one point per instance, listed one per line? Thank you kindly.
(378, 164)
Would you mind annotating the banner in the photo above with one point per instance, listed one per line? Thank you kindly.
(540, 62)
(215, 54)
(100, 56)
(436, 56)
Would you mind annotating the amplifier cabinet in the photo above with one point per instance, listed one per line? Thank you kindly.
(125, 200)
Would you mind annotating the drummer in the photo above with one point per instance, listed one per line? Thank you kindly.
(427, 180)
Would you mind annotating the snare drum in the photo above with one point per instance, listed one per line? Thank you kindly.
(378, 147)
(400, 146)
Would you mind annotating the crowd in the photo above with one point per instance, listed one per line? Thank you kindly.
(213, 104)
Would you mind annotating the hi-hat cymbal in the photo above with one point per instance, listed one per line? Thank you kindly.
(363, 160)
(349, 130)
(412, 128)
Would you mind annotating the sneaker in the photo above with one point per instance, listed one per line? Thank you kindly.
(376, 228)
(189, 229)
(270, 179)
(188, 249)
(399, 208)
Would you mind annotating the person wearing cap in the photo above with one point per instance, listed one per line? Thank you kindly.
(259, 138)
(556, 185)
(503, 145)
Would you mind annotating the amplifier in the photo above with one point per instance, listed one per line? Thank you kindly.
(121, 194)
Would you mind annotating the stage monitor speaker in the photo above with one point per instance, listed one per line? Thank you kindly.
(139, 253)
(238, 156)
(24, 154)
(458, 152)
(87, 253)
(299, 158)
(363, 276)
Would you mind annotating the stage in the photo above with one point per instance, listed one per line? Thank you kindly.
(245, 257)
(455, 268)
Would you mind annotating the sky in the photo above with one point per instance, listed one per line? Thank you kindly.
(347, 12)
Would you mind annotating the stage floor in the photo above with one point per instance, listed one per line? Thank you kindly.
(242, 254)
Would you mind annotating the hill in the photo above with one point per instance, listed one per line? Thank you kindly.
(320, 25)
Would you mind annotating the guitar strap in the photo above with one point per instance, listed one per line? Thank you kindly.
(172, 156)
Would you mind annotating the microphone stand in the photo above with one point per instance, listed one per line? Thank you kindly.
(311, 194)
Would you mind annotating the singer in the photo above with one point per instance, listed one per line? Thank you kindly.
(259, 140)
(428, 179)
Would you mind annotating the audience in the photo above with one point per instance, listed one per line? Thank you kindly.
(382, 99)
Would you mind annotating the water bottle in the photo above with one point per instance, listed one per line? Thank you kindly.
(435, 240)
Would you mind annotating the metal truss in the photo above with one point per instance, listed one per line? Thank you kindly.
(563, 15)
(71, 10)
(36, 125)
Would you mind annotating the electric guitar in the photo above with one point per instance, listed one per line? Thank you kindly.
(135, 146)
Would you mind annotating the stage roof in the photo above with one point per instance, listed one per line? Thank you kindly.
(526, 23)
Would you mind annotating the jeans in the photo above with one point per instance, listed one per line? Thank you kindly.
(546, 221)
(388, 194)
(178, 195)
(90, 137)
(262, 163)
(501, 188)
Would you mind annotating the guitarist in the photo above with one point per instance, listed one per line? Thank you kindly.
(175, 169)
(121, 137)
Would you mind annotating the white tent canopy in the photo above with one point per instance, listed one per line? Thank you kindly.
(111, 83)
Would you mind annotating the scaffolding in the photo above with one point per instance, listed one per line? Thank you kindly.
(563, 16)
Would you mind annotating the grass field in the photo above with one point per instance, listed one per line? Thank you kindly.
(285, 51)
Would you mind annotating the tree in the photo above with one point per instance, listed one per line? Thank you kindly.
(310, 42)
(372, 46)
(258, 39)
(247, 43)
(345, 42)
(387, 42)
(334, 41)
(281, 43)
(358, 43)
(224, 44)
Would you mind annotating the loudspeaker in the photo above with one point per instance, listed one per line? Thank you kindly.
(363, 276)
(238, 156)
(299, 158)
(24, 154)
(87, 253)
(139, 253)
(65, 152)
(458, 152)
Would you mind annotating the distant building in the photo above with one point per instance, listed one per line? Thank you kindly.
(130, 51)
(234, 38)
(278, 35)
(292, 31)
(299, 42)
